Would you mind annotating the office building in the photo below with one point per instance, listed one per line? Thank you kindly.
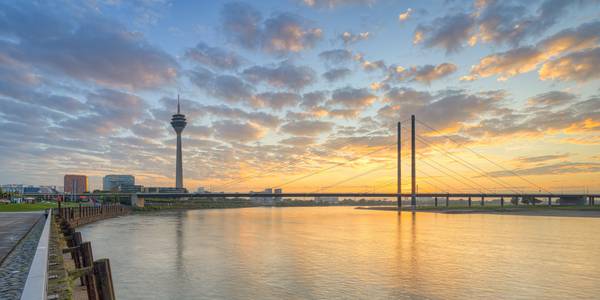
(117, 182)
(77, 184)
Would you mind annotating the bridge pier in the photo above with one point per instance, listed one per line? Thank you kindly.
(435, 201)
(590, 201)
(482, 201)
(469, 201)
(549, 201)
(447, 201)
(137, 201)
(501, 201)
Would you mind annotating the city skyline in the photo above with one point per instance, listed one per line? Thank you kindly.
(302, 85)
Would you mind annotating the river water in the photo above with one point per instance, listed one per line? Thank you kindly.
(341, 252)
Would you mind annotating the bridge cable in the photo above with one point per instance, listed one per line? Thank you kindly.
(481, 156)
(334, 166)
(468, 165)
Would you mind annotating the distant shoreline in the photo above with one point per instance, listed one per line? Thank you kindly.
(586, 212)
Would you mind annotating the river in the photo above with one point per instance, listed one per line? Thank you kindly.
(341, 252)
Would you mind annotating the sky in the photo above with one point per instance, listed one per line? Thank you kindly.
(303, 95)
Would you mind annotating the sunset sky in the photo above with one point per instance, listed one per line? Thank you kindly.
(277, 90)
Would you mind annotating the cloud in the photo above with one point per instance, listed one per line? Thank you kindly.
(542, 158)
(550, 99)
(335, 3)
(283, 75)
(229, 88)
(337, 74)
(238, 132)
(493, 21)
(447, 32)
(308, 128)
(447, 110)
(350, 97)
(423, 74)
(370, 66)
(275, 100)
(299, 141)
(349, 38)
(214, 57)
(336, 56)
(405, 15)
(88, 47)
(576, 119)
(280, 34)
(313, 99)
(528, 58)
(578, 66)
(552, 169)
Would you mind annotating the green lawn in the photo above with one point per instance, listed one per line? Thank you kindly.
(13, 207)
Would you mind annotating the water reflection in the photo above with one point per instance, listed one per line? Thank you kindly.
(274, 253)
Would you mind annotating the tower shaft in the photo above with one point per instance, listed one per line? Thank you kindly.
(179, 164)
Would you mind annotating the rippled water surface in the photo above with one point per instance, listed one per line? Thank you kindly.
(341, 252)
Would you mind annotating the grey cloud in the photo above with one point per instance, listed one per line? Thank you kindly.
(336, 3)
(283, 75)
(337, 74)
(423, 74)
(92, 48)
(307, 127)
(553, 169)
(280, 34)
(579, 66)
(300, 141)
(229, 88)
(214, 57)
(542, 158)
(350, 97)
(276, 101)
(336, 56)
(313, 99)
(238, 132)
(528, 58)
(351, 38)
(550, 99)
(447, 32)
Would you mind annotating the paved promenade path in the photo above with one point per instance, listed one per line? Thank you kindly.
(13, 227)
(19, 232)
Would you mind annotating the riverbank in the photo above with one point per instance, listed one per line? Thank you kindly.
(544, 211)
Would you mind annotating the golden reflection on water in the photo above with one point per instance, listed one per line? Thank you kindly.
(340, 252)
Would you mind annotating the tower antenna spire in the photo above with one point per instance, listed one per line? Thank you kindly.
(177, 103)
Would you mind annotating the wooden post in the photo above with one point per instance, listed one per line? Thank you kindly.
(435, 201)
(482, 201)
(103, 276)
(469, 201)
(76, 255)
(501, 201)
(549, 201)
(447, 201)
(88, 261)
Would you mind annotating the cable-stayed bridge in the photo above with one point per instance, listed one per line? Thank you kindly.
(447, 182)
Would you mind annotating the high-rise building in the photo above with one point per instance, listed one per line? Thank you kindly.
(116, 182)
(76, 184)
(178, 122)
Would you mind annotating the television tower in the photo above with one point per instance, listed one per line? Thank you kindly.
(178, 122)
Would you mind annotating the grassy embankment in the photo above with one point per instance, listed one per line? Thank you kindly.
(18, 207)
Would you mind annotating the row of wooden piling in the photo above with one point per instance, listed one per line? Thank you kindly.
(95, 275)
(77, 216)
